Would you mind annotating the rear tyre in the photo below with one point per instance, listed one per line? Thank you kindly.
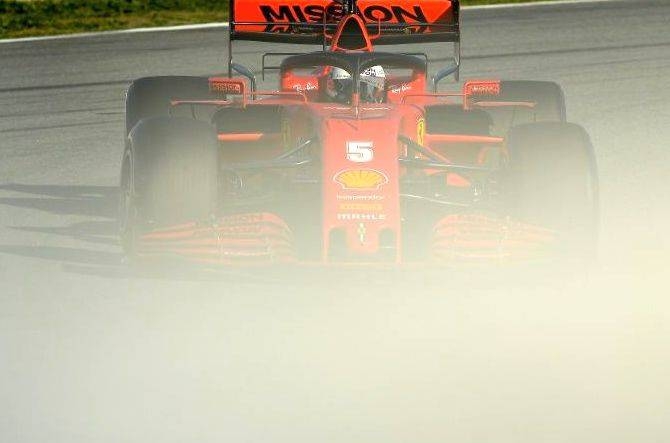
(548, 98)
(551, 181)
(151, 96)
(169, 176)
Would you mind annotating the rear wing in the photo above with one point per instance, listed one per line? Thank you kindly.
(313, 22)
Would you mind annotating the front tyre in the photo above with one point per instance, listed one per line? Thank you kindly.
(551, 181)
(169, 176)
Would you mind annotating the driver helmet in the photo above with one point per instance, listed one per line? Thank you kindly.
(339, 85)
(373, 82)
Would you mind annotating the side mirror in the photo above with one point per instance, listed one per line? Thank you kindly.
(246, 72)
(446, 72)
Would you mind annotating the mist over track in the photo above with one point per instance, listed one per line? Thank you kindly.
(91, 351)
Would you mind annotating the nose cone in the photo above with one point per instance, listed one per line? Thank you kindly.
(361, 205)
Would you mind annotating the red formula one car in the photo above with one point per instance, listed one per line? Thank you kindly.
(356, 156)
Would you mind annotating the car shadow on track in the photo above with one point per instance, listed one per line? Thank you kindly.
(92, 249)
(97, 202)
(91, 245)
(63, 254)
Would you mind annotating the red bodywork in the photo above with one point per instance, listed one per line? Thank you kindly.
(360, 210)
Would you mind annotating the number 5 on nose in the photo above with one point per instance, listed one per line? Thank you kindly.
(359, 152)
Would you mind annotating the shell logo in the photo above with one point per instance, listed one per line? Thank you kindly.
(361, 179)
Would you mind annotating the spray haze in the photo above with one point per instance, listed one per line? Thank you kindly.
(92, 350)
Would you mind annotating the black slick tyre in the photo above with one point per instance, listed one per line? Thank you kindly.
(169, 176)
(547, 98)
(551, 181)
(151, 96)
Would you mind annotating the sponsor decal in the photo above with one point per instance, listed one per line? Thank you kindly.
(401, 88)
(226, 86)
(361, 179)
(360, 152)
(354, 209)
(357, 216)
(362, 108)
(365, 207)
(373, 197)
(421, 131)
(481, 87)
(304, 88)
(276, 15)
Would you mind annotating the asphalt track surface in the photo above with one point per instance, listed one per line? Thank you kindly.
(92, 351)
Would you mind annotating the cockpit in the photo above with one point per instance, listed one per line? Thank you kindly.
(343, 78)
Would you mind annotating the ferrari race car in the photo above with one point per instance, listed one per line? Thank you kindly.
(358, 156)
